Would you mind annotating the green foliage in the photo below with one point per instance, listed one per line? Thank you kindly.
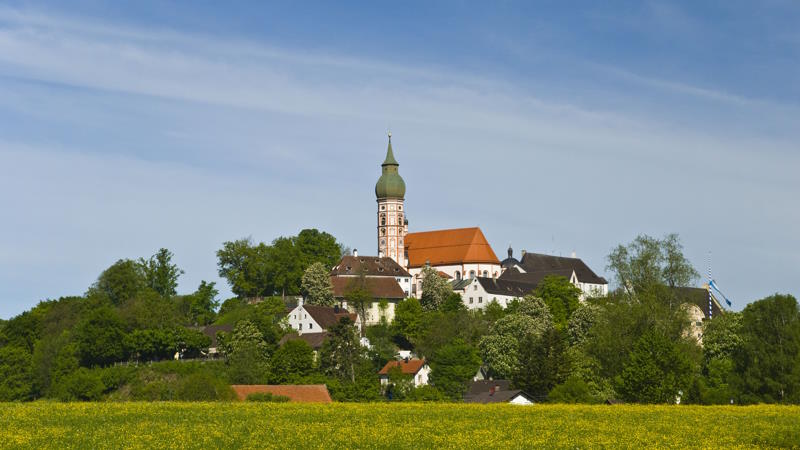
(435, 289)
(581, 322)
(541, 362)
(573, 390)
(441, 328)
(645, 265)
(100, 337)
(120, 282)
(202, 387)
(341, 351)
(453, 365)
(657, 371)
(149, 310)
(453, 303)
(15, 374)
(359, 296)
(82, 385)
(160, 274)
(561, 297)
(263, 270)
(292, 361)
(426, 393)
(247, 355)
(408, 322)
(399, 384)
(157, 344)
(383, 347)
(500, 347)
(768, 360)
(316, 285)
(199, 307)
(267, 397)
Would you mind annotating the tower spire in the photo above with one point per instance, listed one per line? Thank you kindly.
(390, 161)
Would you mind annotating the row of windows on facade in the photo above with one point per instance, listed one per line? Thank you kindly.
(391, 220)
(399, 208)
(392, 232)
(472, 274)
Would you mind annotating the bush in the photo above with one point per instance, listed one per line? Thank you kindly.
(425, 394)
(201, 387)
(81, 385)
(573, 390)
(267, 397)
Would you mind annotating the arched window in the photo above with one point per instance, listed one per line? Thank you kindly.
(383, 221)
(485, 273)
(458, 275)
(472, 274)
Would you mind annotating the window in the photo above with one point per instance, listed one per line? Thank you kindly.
(470, 300)
(475, 288)
(458, 275)
(472, 274)
(383, 207)
(485, 273)
(383, 221)
(311, 325)
(480, 299)
(300, 326)
(400, 208)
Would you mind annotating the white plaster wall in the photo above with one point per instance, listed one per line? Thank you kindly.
(301, 321)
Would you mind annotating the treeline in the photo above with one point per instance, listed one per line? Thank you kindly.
(636, 345)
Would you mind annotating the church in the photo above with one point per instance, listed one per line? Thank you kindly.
(463, 256)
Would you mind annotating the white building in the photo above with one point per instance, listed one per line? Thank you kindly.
(417, 368)
(478, 292)
(385, 280)
(459, 253)
(535, 266)
(317, 319)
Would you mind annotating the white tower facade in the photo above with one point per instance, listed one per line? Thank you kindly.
(392, 223)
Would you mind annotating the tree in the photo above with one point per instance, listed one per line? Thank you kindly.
(201, 305)
(247, 355)
(581, 322)
(341, 352)
(768, 361)
(358, 296)
(561, 297)
(647, 263)
(500, 347)
(245, 266)
(657, 372)
(542, 363)
(435, 289)
(161, 275)
(453, 303)
(100, 337)
(533, 307)
(316, 285)
(292, 361)
(15, 374)
(120, 282)
(407, 325)
(318, 247)
(452, 366)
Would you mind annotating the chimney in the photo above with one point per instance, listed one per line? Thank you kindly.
(523, 253)
(510, 252)
(355, 252)
(300, 301)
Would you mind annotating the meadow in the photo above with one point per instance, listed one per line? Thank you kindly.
(263, 425)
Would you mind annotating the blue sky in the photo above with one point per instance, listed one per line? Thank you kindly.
(553, 127)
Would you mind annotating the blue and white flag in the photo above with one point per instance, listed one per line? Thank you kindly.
(714, 286)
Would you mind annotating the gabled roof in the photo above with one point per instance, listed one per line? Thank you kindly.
(496, 397)
(212, 330)
(477, 387)
(410, 367)
(300, 393)
(456, 246)
(378, 287)
(506, 287)
(326, 316)
(538, 266)
(459, 285)
(372, 266)
(314, 340)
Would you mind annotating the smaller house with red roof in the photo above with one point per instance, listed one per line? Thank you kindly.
(417, 368)
(317, 319)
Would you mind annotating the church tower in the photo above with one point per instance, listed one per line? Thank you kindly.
(392, 224)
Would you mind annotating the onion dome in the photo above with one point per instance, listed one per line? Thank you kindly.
(390, 184)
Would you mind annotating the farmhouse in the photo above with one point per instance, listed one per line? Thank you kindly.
(417, 368)
(316, 319)
(495, 391)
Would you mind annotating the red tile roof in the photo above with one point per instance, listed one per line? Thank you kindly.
(300, 393)
(411, 367)
(458, 246)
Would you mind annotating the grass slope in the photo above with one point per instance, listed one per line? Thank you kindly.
(227, 425)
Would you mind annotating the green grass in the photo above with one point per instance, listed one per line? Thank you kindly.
(260, 425)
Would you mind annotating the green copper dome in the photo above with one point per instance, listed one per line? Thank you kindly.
(390, 184)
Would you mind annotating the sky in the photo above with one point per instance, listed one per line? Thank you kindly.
(556, 127)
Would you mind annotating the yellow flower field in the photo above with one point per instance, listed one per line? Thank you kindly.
(286, 425)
